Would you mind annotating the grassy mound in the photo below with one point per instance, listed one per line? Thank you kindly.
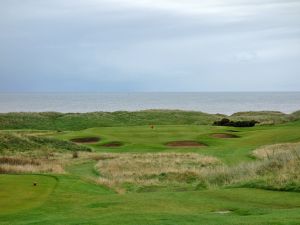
(265, 117)
(79, 121)
(270, 151)
(12, 142)
(275, 172)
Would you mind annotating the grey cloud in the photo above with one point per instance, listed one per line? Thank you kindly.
(142, 45)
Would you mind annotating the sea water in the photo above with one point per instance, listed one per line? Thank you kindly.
(210, 102)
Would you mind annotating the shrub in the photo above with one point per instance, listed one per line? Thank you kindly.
(227, 122)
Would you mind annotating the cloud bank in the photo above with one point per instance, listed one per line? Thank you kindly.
(149, 45)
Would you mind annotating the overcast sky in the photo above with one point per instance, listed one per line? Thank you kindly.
(150, 45)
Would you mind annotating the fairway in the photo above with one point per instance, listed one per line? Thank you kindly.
(143, 139)
(18, 192)
(77, 202)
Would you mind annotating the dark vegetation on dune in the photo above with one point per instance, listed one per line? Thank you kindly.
(78, 121)
(229, 123)
(86, 140)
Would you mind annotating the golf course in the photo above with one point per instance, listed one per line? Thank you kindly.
(152, 167)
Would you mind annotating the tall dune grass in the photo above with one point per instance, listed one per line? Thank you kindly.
(18, 164)
(278, 171)
(152, 168)
(79, 121)
(12, 143)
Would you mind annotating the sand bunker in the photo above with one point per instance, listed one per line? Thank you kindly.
(224, 136)
(185, 144)
(112, 144)
(86, 140)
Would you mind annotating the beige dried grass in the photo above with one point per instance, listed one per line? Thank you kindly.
(150, 168)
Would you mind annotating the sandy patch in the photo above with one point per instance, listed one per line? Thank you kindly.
(185, 144)
(86, 140)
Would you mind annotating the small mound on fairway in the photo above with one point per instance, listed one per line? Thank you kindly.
(185, 144)
(233, 131)
(86, 140)
(112, 144)
(224, 135)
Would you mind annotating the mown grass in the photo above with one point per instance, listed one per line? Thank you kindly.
(143, 139)
(18, 193)
(72, 201)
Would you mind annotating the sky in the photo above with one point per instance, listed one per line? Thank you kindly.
(149, 45)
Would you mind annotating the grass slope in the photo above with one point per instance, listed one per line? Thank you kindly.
(18, 142)
(79, 121)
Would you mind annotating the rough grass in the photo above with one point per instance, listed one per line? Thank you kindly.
(269, 151)
(266, 117)
(152, 169)
(20, 164)
(278, 171)
(133, 171)
(78, 121)
(12, 143)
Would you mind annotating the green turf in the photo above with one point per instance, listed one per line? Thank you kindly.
(144, 139)
(74, 198)
(18, 193)
(71, 201)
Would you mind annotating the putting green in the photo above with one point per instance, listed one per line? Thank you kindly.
(231, 150)
(17, 192)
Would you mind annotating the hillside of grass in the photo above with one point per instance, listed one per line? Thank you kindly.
(14, 143)
(79, 121)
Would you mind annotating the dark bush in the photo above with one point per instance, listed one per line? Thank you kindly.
(227, 122)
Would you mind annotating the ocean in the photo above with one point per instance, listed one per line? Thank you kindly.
(210, 102)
